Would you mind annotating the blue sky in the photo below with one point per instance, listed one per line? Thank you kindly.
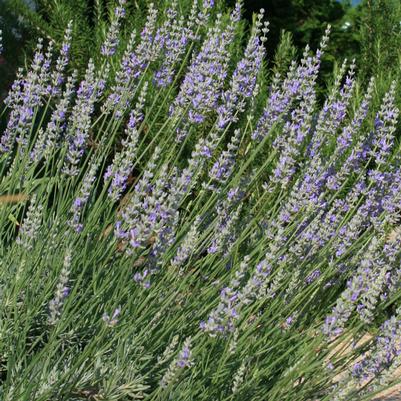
(354, 2)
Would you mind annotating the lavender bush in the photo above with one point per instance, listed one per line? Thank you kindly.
(193, 228)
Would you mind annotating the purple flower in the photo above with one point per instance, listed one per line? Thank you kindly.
(184, 360)
(295, 133)
(112, 321)
(379, 361)
(334, 111)
(385, 125)
(224, 234)
(313, 276)
(185, 356)
(174, 36)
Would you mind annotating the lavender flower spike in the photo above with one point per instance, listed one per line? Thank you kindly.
(49, 139)
(377, 366)
(223, 167)
(184, 360)
(385, 126)
(346, 137)
(121, 167)
(135, 60)
(31, 225)
(84, 193)
(89, 91)
(57, 76)
(334, 109)
(62, 290)
(110, 44)
(295, 133)
(245, 75)
(138, 219)
(222, 320)
(225, 230)
(299, 78)
(176, 38)
(187, 245)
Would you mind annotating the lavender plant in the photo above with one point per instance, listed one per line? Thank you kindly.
(195, 226)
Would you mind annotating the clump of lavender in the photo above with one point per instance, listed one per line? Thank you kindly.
(190, 188)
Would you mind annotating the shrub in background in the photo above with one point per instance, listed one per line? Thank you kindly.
(381, 38)
(14, 35)
(186, 228)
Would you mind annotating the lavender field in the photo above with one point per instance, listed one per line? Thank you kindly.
(182, 221)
